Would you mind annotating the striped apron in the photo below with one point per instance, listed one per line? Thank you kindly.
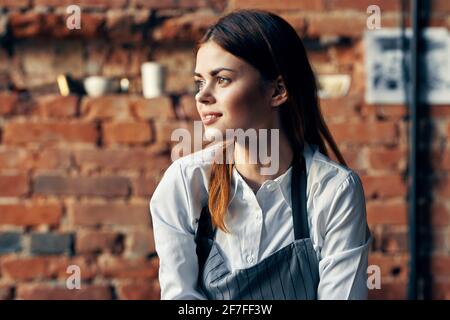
(288, 274)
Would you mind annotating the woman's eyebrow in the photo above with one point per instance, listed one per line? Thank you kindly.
(215, 71)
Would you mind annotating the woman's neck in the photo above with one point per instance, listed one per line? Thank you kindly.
(252, 170)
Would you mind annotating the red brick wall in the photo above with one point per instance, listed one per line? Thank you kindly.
(76, 173)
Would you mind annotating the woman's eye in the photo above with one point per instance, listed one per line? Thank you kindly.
(222, 80)
(198, 84)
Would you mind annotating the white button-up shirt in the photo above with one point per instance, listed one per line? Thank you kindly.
(261, 224)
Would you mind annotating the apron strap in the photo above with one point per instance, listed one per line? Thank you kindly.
(204, 237)
(298, 198)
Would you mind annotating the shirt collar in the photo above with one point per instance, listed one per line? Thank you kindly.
(284, 179)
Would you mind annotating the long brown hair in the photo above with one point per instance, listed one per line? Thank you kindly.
(272, 46)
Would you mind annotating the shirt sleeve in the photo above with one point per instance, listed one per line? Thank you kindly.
(174, 237)
(344, 254)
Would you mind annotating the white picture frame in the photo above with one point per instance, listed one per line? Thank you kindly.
(385, 76)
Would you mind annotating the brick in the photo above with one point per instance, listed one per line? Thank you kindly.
(439, 239)
(53, 159)
(140, 243)
(120, 24)
(355, 158)
(15, 158)
(93, 26)
(45, 291)
(440, 265)
(442, 186)
(391, 266)
(25, 25)
(446, 161)
(57, 106)
(448, 130)
(188, 108)
(137, 58)
(6, 291)
(341, 107)
(160, 107)
(390, 291)
(440, 6)
(51, 243)
(7, 103)
(30, 214)
(439, 214)
(394, 213)
(46, 267)
(348, 24)
(31, 268)
(144, 186)
(15, 3)
(96, 51)
(440, 160)
(138, 290)
(36, 60)
(394, 240)
(117, 62)
(440, 111)
(26, 132)
(92, 214)
(91, 241)
(179, 66)
(119, 268)
(126, 133)
(13, 185)
(188, 27)
(361, 133)
(393, 113)
(153, 159)
(84, 4)
(440, 290)
(36, 24)
(387, 159)
(32, 24)
(87, 264)
(106, 107)
(164, 130)
(80, 186)
(10, 242)
(169, 4)
(278, 5)
(69, 59)
(385, 5)
(384, 186)
(297, 20)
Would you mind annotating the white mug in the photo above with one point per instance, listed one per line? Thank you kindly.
(152, 79)
(96, 86)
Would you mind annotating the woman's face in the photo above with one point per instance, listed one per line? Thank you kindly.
(231, 92)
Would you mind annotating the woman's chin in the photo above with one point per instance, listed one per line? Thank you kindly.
(213, 132)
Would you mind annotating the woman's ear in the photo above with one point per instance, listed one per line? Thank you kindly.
(280, 94)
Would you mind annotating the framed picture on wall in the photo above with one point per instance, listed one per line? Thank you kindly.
(388, 66)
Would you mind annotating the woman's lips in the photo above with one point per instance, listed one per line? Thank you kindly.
(210, 118)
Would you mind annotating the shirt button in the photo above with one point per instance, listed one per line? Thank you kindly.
(250, 259)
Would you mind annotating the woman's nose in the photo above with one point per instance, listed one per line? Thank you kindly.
(205, 96)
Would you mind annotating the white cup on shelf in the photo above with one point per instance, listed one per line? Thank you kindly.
(152, 79)
(96, 86)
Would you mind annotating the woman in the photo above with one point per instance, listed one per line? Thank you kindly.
(227, 231)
